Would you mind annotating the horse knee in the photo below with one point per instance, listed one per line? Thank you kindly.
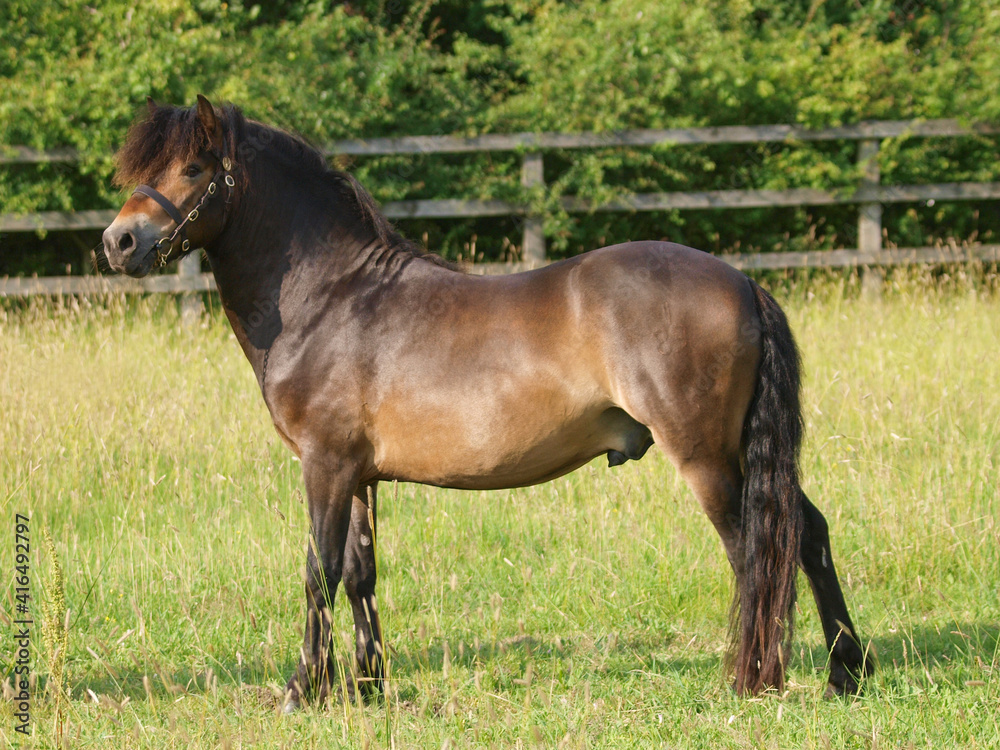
(359, 578)
(321, 581)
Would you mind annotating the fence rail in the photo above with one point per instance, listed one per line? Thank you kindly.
(870, 195)
(205, 282)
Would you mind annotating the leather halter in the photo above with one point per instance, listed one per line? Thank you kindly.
(165, 256)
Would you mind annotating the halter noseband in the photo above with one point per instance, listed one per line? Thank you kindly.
(164, 257)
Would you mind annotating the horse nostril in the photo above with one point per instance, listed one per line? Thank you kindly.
(126, 242)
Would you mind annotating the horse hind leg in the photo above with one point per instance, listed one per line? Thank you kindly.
(717, 484)
(848, 661)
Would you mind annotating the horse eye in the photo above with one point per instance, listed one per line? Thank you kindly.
(193, 170)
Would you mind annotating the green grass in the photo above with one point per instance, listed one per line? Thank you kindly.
(588, 612)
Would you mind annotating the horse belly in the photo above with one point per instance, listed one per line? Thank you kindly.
(493, 445)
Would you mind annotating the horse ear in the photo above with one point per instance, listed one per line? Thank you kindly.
(151, 105)
(206, 115)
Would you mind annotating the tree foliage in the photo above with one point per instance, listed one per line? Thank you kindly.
(76, 73)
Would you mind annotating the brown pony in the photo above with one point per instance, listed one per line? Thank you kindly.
(378, 362)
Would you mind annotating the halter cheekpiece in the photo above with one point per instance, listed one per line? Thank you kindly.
(164, 246)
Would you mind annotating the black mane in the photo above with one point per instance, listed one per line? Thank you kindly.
(175, 133)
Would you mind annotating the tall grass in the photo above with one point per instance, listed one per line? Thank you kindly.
(588, 612)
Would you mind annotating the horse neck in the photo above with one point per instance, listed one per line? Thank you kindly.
(287, 241)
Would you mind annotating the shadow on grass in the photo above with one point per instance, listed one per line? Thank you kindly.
(508, 660)
(961, 648)
(167, 683)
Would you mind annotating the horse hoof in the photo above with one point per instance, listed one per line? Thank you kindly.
(848, 688)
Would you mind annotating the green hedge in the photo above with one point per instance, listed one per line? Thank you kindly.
(76, 73)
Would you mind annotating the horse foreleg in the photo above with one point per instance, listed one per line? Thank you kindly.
(330, 489)
(848, 661)
(359, 584)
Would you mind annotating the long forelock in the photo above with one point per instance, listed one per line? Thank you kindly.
(153, 144)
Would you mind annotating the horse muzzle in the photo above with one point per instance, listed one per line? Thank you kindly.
(130, 249)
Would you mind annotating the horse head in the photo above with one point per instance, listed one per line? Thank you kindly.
(178, 162)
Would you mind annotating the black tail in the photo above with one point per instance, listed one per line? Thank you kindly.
(772, 508)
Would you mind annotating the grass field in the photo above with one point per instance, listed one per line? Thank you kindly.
(589, 612)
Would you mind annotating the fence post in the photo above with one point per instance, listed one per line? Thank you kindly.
(870, 215)
(533, 241)
(189, 267)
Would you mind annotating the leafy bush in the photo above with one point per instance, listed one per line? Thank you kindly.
(76, 74)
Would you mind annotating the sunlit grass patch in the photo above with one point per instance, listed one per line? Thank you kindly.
(588, 612)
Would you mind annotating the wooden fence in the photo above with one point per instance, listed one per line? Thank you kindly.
(870, 196)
